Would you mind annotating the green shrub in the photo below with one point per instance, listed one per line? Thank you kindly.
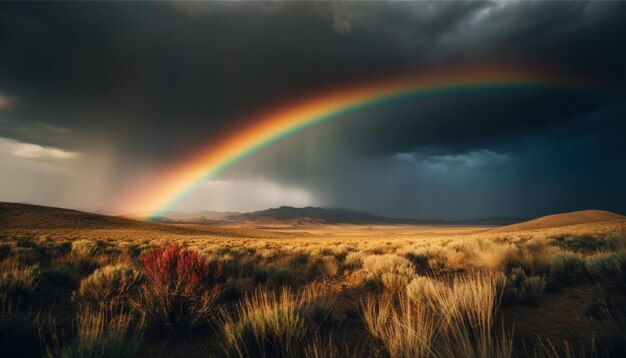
(588, 243)
(109, 285)
(532, 289)
(520, 288)
(608, 268)
(567, 268)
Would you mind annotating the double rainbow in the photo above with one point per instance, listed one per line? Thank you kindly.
(166, 189)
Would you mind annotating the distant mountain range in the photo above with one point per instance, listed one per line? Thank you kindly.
(14, 216)
(290, 216)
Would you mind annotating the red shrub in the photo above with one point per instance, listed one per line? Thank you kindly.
(181, 270)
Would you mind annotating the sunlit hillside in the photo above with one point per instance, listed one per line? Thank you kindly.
(583, 221)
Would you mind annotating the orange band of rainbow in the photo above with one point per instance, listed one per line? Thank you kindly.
(162, 192)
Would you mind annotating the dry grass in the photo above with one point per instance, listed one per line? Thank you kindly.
(115, 285)
(104, 332)
(326, 347)
(438, 319)
(19, 282)
(405, 327)
(436, 290)
(470, 306)
(390, 271)
(276, 324)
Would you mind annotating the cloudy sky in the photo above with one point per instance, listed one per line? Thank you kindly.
(95, 95)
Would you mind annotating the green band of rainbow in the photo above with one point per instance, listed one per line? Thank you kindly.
(177, 182)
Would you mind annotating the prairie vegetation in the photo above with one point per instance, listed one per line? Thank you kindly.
(328, 291)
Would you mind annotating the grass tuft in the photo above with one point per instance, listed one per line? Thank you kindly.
(389, 271)
(438, 319)
(116, 284)
(274, 324)
(103, 333)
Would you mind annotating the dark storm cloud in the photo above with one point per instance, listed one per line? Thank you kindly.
(563, 165)
(155, 81)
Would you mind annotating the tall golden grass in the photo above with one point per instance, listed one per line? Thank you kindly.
(103, 332)
(418, 292)
(439, 319)
(270, 324)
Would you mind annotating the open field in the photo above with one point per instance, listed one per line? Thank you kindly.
(78, 284)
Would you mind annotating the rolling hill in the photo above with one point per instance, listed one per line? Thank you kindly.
(311, 214)
(15, 216)
(34, 219)
(287, 215)
(28, 216)
(572, 220)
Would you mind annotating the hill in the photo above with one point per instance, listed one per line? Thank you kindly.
(311, 214)
(572, 220)
(287, 215)
(33, 219)
(16, 216)
(27, 216)
(36, 218)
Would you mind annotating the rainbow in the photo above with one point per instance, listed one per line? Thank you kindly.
(158, 194)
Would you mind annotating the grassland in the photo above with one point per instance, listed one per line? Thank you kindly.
(77, 284)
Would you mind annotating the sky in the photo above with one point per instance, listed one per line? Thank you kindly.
(97, 97)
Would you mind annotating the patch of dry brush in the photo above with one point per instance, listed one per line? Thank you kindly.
(405, 292)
